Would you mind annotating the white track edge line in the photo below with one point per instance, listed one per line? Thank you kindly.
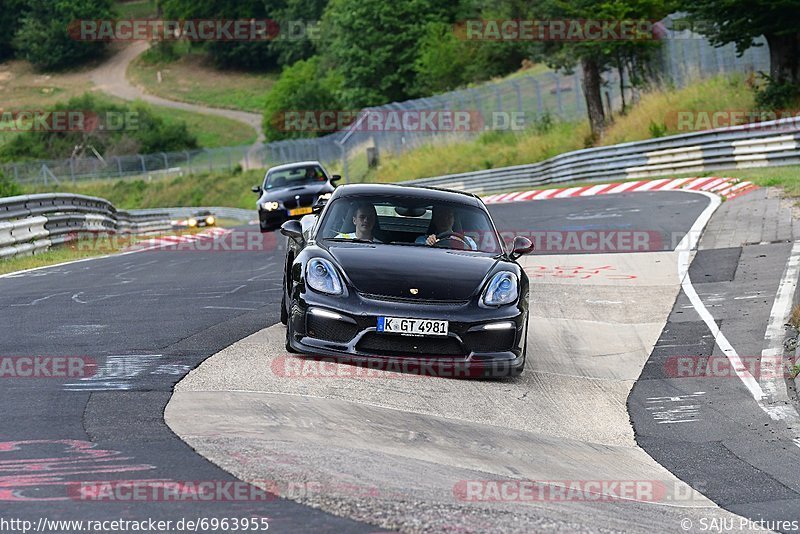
(685, 247)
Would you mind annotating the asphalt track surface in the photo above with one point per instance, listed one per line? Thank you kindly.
(147, 319)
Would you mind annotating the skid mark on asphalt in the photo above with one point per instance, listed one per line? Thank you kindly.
(675, 409)
(121, 372)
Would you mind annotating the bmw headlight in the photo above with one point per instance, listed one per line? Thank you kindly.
(322, 276)
(270, 206)
(502, 289)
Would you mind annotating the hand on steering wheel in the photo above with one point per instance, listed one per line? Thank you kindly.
(446, 236)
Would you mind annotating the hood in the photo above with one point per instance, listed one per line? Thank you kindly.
(298, 190)
(391, 271)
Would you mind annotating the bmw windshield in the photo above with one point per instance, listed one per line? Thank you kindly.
(301, 175)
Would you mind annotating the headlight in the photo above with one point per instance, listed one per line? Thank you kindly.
(322, 276)
(270, 206)
(502, 289)
(211, 220)
(192, 222)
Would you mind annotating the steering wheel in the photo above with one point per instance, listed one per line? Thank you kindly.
(446, 236)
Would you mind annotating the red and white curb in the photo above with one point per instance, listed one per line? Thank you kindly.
(725, 187)
(170, 240)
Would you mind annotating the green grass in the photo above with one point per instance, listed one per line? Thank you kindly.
(83, 248)
(218, 189)
(211, 131)
(192, 79)
(503, 148)
(787, 178)
(136, 9)
(490, 150)
(50, 257)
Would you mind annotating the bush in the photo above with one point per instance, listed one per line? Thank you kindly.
(776, 96)
(8, 187)
(141, 131)
(301, 87)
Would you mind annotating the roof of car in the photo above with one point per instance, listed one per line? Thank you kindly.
(292, 165)
(433, 193)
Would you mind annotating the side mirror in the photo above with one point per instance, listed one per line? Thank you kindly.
(522, 246)
(335, 178)
(293, 230)
(256, 189)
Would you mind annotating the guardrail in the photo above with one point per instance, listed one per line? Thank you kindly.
(236, 214)
(30, 224)
(764, 144)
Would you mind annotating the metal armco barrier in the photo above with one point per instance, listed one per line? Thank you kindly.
(30, 224)
(236, 214)
(766, 144)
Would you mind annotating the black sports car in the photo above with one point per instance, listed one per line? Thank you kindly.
(398, 274)
(290, 191)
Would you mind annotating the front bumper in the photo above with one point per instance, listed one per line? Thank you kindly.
(272, 220)
(346, 328)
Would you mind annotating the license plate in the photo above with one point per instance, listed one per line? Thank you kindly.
(300, 211)
(418, 327)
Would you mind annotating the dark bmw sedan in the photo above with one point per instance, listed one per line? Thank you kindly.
(290, 191)
(403, 274)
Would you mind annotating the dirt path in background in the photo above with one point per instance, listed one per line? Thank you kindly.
(110, 77)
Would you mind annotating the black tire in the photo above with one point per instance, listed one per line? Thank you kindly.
(289, 334)
(284, 313)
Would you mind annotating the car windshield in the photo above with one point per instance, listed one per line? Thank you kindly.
(406, 221)
(299, 175)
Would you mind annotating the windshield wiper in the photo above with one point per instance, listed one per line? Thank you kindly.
(350, 240)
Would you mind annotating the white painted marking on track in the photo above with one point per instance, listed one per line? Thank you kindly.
(772, 355)
(689, 243)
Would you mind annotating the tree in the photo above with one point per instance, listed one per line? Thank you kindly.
(251, 55)
(299, 20)
(597, 56)
(10, 14)
(304, 89)
(447, 61)
(44, 38)
(741, 21)
(374, 44)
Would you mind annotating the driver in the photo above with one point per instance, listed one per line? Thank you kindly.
(442, 221)
(312, 173)
(364, 220)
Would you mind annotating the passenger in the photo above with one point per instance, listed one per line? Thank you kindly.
(442, 221)
(364, 221)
